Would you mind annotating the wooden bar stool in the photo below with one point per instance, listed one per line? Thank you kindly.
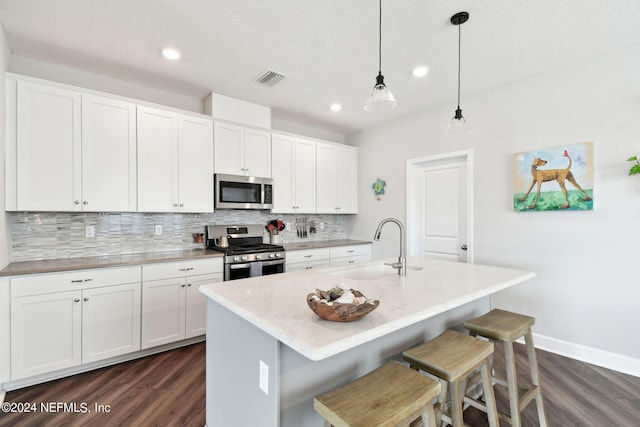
(391, 395)
(451, 357)
(507, 327)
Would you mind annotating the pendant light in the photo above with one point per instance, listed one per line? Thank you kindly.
(458, 123)
(381, 98)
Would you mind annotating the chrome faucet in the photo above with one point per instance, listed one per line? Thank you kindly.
(401, 265)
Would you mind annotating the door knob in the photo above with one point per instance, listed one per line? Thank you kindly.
(463, 247)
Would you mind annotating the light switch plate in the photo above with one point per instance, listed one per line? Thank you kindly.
(90, 231)
(159, 230)
(264, 377)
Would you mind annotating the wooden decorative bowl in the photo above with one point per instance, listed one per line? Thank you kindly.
(340, 312)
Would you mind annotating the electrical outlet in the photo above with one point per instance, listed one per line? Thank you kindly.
(90, 231)
(159, 230)
(264, 377)
(322, 226)
(288, 226)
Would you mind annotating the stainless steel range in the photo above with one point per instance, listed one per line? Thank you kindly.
(244, 253)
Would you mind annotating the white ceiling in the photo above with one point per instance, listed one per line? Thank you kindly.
(328, 49)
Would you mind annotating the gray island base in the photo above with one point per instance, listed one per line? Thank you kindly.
(268, 354)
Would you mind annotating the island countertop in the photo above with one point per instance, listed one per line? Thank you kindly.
(277, 305)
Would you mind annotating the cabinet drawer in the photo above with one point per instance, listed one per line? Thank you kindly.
(350, 260)
(350, 251)
(72, 280)
(181, 268)
(311, 265)
(306, 255)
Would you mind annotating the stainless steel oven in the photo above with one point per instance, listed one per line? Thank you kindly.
(244, 253)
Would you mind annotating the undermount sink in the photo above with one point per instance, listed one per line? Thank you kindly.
(371, 272)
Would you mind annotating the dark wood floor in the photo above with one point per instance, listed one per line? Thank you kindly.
(168, 389)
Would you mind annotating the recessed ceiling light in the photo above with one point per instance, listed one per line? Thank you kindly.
(336, 107)
(170, 53)
(420, 71)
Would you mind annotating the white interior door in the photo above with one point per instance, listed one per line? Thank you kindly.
(439, 208)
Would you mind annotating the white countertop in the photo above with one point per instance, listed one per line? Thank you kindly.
(277, 303)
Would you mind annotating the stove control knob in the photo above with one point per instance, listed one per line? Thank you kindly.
(271, 255)
(243, 258)
(236, 258)
(278, 255)
(258, 256)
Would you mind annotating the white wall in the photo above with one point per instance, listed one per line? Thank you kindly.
(587, 290)
(5, 55)
(71, 76)
(5, 237)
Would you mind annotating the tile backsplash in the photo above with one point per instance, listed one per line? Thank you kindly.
(55, 235)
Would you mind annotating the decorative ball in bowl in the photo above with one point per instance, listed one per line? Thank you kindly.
(340, 304)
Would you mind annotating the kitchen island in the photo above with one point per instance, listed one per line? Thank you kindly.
(268, 354)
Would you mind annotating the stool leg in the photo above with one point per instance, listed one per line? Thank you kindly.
(512, 384)
(429, 417)
(489, 397)
(456, 404)
(535, 380)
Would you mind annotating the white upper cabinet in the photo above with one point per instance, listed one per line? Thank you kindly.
(108, 154)
(48, 150)
(195, 164)
(242, 151)
(157, 160)
(337, 179)
(175, 162)
(294, 174)
(74, 152)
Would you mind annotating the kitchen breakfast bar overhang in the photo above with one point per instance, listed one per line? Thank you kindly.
(268, 354)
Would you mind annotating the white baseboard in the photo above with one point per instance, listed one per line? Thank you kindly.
(605, 359)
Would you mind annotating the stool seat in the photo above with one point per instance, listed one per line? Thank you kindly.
(501, 325)
(390, 395)
(452, 357)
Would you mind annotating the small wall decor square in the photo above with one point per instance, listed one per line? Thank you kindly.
(554, 178)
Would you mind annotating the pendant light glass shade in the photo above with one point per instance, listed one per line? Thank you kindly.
(381, 98)
(458, 123)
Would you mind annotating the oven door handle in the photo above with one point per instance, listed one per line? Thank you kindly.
(247, 264)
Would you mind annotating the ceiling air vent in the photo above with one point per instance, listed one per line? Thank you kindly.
(269, 78)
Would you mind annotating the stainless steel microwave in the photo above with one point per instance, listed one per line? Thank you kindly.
(242, 192)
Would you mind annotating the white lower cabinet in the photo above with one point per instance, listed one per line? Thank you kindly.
(343, 255)
(307, 259)
(172, 307)
(62, 320)
(110, 321)
(45, 333)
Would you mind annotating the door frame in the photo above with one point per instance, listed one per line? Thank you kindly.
(413, 165)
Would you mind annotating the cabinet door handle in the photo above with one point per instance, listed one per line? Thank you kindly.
(175, 205)
(86, 298)
(76, 202)
(308, 256)
(77, 300)
(186, 269)
(351, 262)
(85, 203)
(351, 251)
(188, 284)
(183, 285)
(81, 280)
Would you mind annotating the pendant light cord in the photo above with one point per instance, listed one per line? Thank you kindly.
(380, 39)
(459, 44)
